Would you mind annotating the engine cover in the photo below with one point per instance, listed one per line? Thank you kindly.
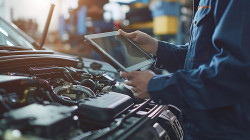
(105, 107)
(42, 120)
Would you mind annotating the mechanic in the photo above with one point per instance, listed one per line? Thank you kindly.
(210, 79)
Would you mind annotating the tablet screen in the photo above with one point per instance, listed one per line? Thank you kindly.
(122, 50)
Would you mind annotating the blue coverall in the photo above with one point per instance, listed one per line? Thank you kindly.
(210, 80)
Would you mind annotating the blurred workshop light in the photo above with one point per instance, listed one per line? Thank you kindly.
(122, 1)
(53, 2)
(107, 16)
(115, 11)
(35, 10)
(9, 43)
(67, 5)
(73, 4)
(3, 32)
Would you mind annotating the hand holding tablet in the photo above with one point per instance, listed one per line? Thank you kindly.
(121, 51)
(143, 40)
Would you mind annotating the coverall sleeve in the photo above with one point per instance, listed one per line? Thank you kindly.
(170, 57)
(226, 80)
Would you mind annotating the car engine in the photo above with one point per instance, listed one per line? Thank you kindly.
(49, 96)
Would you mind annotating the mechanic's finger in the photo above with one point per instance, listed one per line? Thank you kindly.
(123, 74)
(129, 83)
(137, 94)
(134, 91)
(121, 32)
(128, 75)
(125, 34)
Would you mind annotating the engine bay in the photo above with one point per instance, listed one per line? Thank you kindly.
(72, 98)
(47, 95)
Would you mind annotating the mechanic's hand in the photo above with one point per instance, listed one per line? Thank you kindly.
(139, 81)
(143, 40)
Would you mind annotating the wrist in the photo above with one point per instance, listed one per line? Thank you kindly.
(154, 46)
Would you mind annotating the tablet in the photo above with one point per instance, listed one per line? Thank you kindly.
(121, 51)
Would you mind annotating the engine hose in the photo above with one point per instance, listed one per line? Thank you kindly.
(45, 84)
(65, 73)
(48, 95)
(88, 83)
(79, 88)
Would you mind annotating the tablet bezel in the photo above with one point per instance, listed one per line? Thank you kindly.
(128, 69)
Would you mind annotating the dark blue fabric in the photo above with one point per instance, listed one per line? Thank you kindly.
(210, 82)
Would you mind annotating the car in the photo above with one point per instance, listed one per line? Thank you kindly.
(51, 95)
